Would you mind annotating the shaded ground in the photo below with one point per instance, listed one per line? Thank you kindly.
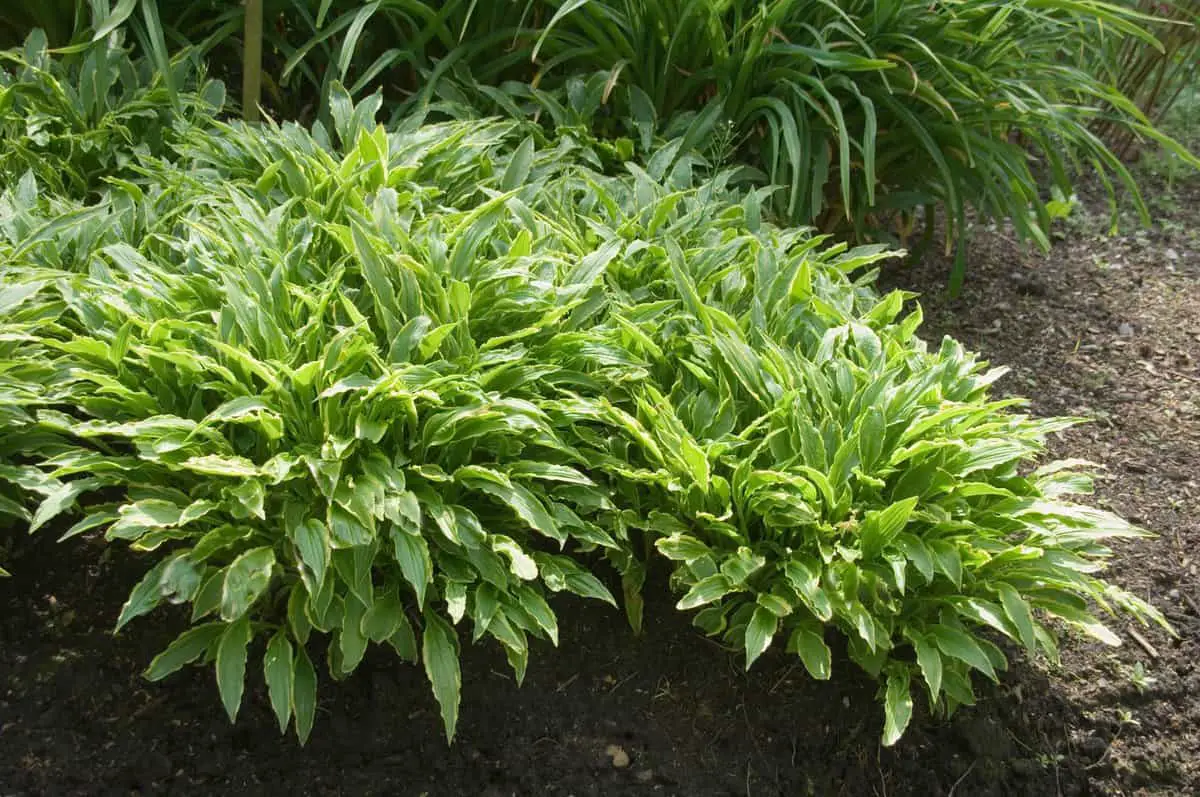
(1109, 329)
(1105, 328)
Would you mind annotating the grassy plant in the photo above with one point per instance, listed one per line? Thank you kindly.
(870, 115)
(79, 120)
(1153, 77)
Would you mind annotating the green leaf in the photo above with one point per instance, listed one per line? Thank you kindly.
(809, 644)
(880, 528)
(917, 553)
(304, 694)
(245, 581)
(563, 10)
(959, 645)
(803, 576)
(985, 613)
(1017, 610)
(586, 585)
(383, 618)
(897, 707)
(351, 640)
(208, 598)
(930, 662)
(231, 665)
(60, 500)
(682, 548)
(539, 610)
(439, 651)
(144, 597)
(298, 621)
(520, 499)
(946, 560)
(14, 296)
(774, 604)
(278, 673)
(180, 580)
(115, 19)
(94, 520)
(412, 554)
(137, 518)
(404, 641)
(520, 563)
(312, 542)
(870, 438)
(517, 171)
(759, 633)
(1083, 621)
(346, 530)
(186, 648)
(705, 591)
(214, 465)
(350, 37)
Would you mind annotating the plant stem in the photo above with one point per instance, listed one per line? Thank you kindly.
(252, 61)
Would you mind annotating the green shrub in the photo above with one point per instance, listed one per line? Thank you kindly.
(323, 399)
(1154, 77)
(864, 484)
(367, 387)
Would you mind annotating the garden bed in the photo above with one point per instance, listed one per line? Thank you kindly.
(1108, 328)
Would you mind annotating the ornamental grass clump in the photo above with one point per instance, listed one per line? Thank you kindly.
(346, 387)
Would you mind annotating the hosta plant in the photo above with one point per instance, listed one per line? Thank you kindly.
(320, 399)
(834, 475)
(809, 466)
(875, 117)
(349, 387)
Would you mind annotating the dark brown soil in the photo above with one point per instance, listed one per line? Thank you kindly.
(1107, 328)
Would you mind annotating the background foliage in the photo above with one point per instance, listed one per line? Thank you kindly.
(870, 116)
(1154, 78)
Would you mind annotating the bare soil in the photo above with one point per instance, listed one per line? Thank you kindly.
(1107, 328)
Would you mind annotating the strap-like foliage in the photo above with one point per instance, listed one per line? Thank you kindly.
(78, 120)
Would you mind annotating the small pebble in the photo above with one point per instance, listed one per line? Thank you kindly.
(620, 758)
(1125, 330)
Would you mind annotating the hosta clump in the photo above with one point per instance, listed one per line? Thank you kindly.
(833, 473)
(808, 463)
(396, 388)
(324, 401)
